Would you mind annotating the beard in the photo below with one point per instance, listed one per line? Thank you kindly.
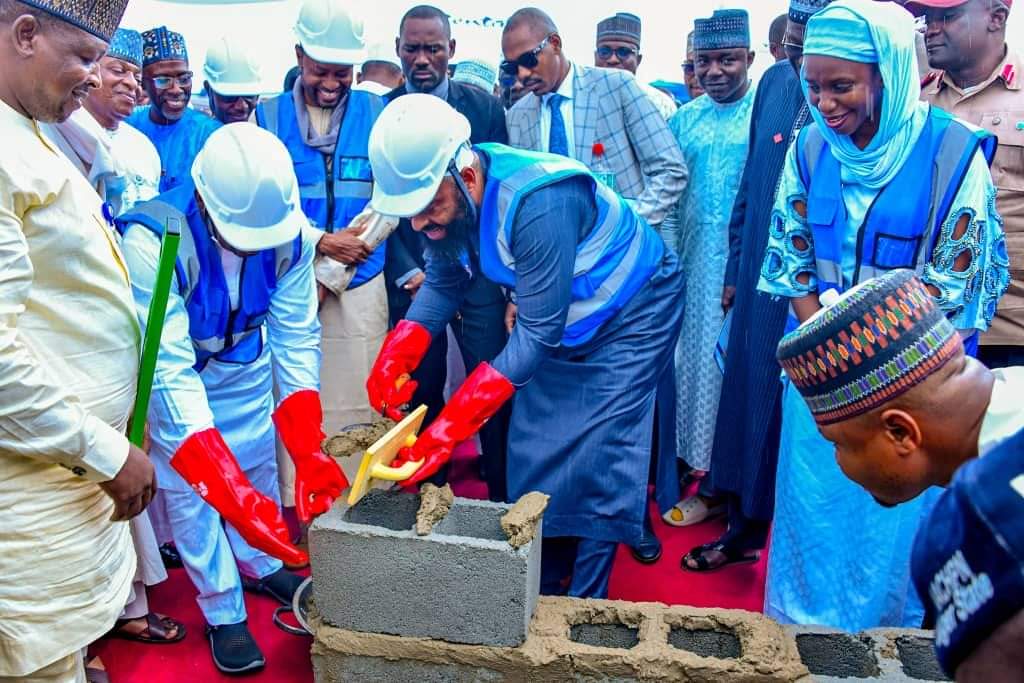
(458, 234)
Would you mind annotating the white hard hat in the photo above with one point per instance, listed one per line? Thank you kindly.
(411, 145)
(330, 33)
(246, 180)
(232, 69)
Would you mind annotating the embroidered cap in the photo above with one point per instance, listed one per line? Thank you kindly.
(623, 26)
(162, 45)
(98, 17)
(968, 557)
(876, 342)
(476, 72)
(919, 7)
(688, 59)
(127, 45)
(802, 10)
(726, 28)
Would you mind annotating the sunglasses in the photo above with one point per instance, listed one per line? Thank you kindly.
(231, 99)
(527, 60)
(183, 80)
(623, 53)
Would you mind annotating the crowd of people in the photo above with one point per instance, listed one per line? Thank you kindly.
(797, 304)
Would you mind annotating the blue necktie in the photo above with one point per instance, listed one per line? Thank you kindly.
(558, 141)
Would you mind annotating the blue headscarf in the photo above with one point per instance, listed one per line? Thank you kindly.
(880, 33)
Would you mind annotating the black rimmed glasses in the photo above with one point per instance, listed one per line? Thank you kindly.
(623, 52)
(183, 80)
(527, 60)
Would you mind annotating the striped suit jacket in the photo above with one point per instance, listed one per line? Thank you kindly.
(610, 107)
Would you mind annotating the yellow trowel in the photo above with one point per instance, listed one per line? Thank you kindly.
(377, 460)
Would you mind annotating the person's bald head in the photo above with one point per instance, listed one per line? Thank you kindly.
(776, 34)
(47, 65)
(533, 50)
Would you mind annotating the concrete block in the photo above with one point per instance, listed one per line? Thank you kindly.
(463, 583)
(587, 641)
(898, 655)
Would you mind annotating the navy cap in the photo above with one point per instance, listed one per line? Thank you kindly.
(968, 558)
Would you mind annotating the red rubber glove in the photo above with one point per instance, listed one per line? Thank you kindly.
(318, 479)
(206, 462)
(479, 397)
(389, 386)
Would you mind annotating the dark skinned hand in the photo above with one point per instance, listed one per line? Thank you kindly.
(345, 246)
(133, 486)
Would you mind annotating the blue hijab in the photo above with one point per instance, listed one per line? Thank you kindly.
(880, 33)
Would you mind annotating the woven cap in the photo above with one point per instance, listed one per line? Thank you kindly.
(98, 17)
(726, 28)
(623, 26)
(876, 342)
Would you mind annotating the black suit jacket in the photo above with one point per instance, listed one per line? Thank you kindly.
(405, 246)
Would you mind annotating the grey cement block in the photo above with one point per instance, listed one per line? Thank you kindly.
(352, 669)
(897, 655)
(463, 583)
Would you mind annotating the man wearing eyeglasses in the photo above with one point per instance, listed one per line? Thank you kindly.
(177, 132)
(618, 47)
(570, 107)
(978, 79)
(233, 80)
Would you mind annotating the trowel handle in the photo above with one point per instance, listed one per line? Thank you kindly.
(401, 473)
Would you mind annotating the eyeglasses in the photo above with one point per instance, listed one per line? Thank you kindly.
(623, 53)
(183, 80)
(527, 60)
(228, 100)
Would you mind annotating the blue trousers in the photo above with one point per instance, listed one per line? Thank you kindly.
(586, 561)
(213, 552)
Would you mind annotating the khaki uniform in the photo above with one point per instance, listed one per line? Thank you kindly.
(998, 107)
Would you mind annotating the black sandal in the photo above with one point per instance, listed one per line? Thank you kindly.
(732, 557)
(158, 628)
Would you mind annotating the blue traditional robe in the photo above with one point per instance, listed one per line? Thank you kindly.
(177, 143)
(714, 140)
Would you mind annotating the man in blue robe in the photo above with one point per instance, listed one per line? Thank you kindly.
(746, 442)
(177, 132)
(599, 306)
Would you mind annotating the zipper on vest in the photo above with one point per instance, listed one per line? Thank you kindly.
(329, 176)
(229, 335)
(860, 241)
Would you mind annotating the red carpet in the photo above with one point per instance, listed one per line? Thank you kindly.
(287, 656)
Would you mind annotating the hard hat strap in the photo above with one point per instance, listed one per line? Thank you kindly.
(453, 170)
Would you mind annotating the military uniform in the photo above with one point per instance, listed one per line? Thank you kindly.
(997, 105)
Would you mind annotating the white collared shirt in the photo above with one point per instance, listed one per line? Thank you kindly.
(566, 91)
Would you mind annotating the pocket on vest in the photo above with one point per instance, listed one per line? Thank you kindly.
(894, 251)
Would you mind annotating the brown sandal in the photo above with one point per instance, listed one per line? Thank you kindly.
(158, 628)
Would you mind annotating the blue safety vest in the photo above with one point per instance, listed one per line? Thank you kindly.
(217, 331)
(614, 261)
(903, 223)
(331, 205)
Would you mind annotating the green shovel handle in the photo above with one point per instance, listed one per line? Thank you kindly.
(154, 329)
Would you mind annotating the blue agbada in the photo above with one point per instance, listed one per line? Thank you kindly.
(713, 138)
(177, 143)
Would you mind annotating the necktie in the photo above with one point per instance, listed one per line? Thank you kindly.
(558, 141)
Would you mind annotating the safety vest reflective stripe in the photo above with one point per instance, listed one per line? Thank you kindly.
(613, 261)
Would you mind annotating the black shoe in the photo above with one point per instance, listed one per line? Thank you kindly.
(281, 585)
(648, 550)
(233, 648)
(169, 555)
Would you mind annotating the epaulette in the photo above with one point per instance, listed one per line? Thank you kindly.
(1009, 74)
(930, 78)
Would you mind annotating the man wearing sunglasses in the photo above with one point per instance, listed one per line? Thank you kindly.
(233, 80)
(177, 132)
(570, 107)
(618, 47)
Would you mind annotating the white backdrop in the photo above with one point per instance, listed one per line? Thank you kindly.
(476, 27)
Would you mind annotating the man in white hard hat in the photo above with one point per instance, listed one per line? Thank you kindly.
(325, 124)
(599, 300)
(241, 318)
(233, 80)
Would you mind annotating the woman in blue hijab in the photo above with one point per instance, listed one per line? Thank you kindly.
(881, 181)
